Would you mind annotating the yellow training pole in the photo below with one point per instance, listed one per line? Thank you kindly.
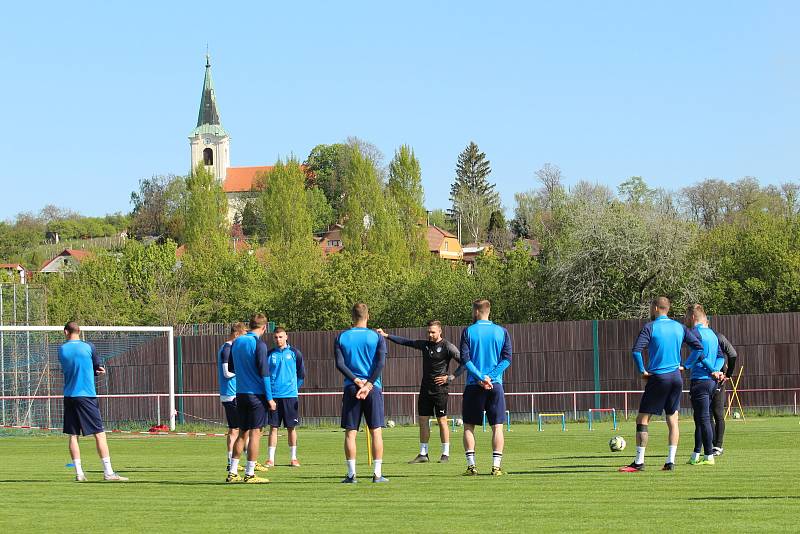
(369, 446)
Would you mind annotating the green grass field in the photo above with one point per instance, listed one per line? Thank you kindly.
(556, 482)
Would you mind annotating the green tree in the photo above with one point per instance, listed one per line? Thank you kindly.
(206, 209)
(371, 222)
(322, 214)
(159, 207)
(472, 196)
(326, 166)
(283, 205)
(405, 189)
(635, 190)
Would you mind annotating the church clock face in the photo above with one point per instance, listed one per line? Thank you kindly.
(207, 140)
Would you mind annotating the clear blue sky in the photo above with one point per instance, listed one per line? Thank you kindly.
(97, 96)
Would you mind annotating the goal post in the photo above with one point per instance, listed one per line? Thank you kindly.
(131, 392)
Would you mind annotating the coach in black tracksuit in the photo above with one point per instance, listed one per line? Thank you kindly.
(437, 353)
(718, 401)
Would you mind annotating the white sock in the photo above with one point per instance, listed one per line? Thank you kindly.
(445, 449)
(639, 455)
(673, 450)
(272, 454)
(695, 456)
(376, 468)
(293, 452)
(710, 457)
(351, 468)
(107, 470)
(234, 466)
(230, 455)
(423, 449)
(250, 468)
(470, 457)
(497, 457)
(78, 467)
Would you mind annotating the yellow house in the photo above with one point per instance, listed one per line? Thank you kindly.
(444, 244)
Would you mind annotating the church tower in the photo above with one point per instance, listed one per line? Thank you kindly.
(210, 144)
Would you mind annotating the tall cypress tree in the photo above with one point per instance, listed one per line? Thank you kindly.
(206, 209)
(405, 189)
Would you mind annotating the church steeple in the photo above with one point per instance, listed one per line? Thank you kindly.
(208, 102)
(209, 142)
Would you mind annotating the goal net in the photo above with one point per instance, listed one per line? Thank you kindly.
(137, 391)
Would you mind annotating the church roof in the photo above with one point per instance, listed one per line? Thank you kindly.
(241, 179)
(208, 121)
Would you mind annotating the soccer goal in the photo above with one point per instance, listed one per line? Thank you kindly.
(138, 389)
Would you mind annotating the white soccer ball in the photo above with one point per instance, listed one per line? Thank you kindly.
(737, 415)
(616, 444)
(459, 422)
(390, 423)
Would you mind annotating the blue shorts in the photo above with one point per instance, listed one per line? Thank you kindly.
(251, 410)
(230, 413)
(82, 416)
(662, 394)
(477, 400)
(352, 408)
(288, 412)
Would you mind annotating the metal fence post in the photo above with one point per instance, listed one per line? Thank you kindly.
(179, 365)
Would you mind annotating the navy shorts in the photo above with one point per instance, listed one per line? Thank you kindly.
(251, 410)
(82, 416)
(662, 394)
(352, 408)
(230, 413)
(477, 400)
(288, 413)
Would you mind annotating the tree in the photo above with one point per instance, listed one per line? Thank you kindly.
(321, 211)
(326, 165)
(371, 221)
(498, 233)
(472, 196)
(438, 217)
(158, 207)
(405, 189)
(206, 209)
(283, 205)
(634, 190)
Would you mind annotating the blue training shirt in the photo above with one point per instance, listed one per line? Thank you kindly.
(79, 361)
(485, 350)
(249, 358)
(712, 360)
(360, 353)
(663, 338)
(227, 386)
(286, 371)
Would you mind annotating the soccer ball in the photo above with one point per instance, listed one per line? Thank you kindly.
(390, 423)
(737, 415)
(459, 422)
(616, 444)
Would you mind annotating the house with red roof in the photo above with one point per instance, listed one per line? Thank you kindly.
(66, 261)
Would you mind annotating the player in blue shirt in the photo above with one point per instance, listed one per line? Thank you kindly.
(253, 398)
(80, 363)
(663, 338)
(227, 387)
(286, 372)
(706, 372)
(486, 353)
(360, 357)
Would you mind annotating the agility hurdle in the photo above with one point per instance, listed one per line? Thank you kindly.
(508, 421)
(561, 415)
(613, 415)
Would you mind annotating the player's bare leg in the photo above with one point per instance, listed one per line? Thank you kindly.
(377, 454)
(230, 440)
(75, 454)
(674, 437)
(498, 444)
(102, 451)
(444, 437)
(424, 438)
(469, 448)
(292, 438)
(272, 443)
(350, 454)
